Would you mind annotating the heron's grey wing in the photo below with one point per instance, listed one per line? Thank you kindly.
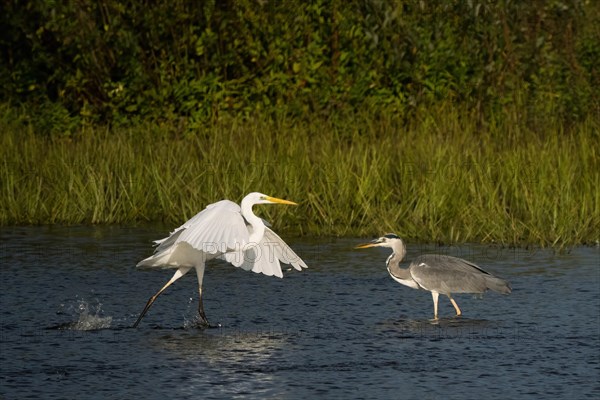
(266, 257)
(446, 274)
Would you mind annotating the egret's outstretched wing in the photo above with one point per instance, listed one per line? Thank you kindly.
(266, 257)
(167, 242)
(282, 251)
(446, 274)
(217, 229)
(212, 210)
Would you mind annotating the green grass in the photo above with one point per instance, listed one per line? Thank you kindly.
(441, 178)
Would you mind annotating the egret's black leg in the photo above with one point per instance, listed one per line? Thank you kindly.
(148, 304)
(178, 274)
(202, 320)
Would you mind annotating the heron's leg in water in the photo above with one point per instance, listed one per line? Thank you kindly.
(458, 312)
(435, 296)
(178, 274)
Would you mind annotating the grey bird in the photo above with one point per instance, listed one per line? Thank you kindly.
(438, 274)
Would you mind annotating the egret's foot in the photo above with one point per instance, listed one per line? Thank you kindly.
(206, 325)
(202, 323)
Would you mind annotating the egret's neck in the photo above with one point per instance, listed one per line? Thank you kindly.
(258, 226)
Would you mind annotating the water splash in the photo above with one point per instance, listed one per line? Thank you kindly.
(89, 317)
(191, 318)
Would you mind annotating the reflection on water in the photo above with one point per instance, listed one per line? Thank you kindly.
(341, 329)
(436, 324)
(447, 328)
(215, 358)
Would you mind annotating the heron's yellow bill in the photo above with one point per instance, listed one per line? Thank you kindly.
(365, 245)
(280, 201)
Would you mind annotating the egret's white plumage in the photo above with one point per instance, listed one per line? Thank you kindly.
(226, 231)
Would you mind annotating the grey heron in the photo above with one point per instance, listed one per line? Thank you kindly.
(438, 274)
(226, 231)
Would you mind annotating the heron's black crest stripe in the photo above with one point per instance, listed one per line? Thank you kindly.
(391, 236)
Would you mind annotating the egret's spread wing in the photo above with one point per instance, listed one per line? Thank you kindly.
(446, 274)
(218, 228)
(221, 231)
(163, 244)
(266, 257)
(282, 251)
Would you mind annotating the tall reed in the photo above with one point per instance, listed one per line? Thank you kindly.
(441, 178)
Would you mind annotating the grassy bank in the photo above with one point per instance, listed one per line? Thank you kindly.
(441, 178)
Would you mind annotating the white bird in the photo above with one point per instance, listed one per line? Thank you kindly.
(226, 231)
(437, 273)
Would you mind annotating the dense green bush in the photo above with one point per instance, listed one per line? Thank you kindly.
(188, 62)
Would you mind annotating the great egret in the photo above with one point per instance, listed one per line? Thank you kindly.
(225, 231)
(437, 273)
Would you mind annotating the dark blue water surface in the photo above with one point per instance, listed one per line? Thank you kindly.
(341, 329)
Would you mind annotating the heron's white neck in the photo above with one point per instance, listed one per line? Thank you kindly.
(399, 252)
(401, 275)
(258, 226)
